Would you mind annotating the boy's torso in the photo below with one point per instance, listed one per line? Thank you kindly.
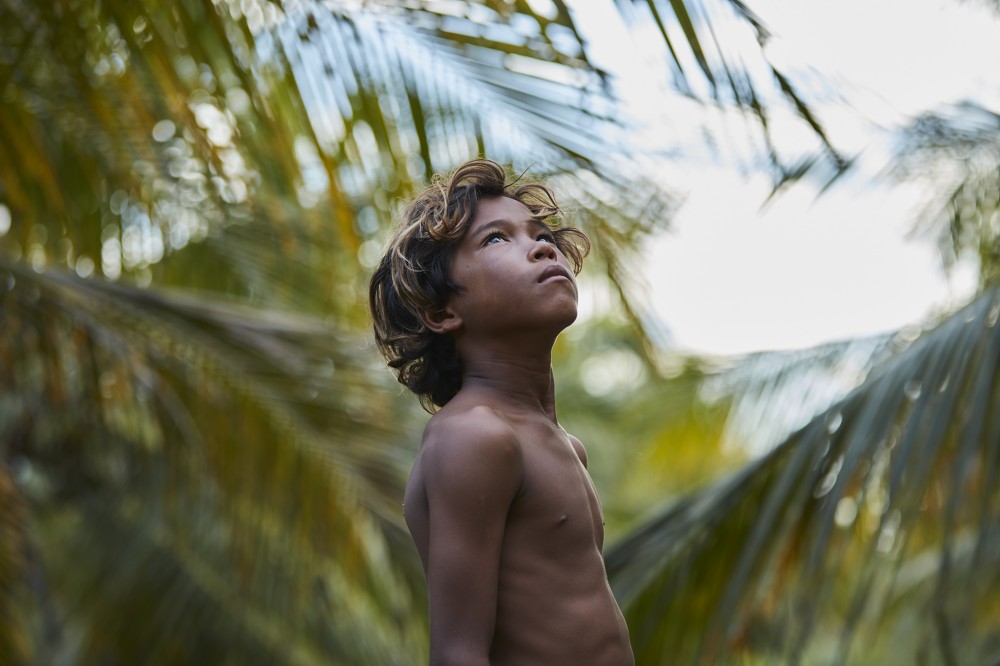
(554, 605)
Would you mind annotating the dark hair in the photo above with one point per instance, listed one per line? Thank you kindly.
(414, 274)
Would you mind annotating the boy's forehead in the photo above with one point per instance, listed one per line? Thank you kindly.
(499, 208)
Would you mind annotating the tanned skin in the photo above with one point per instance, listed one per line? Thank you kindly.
(499, 503)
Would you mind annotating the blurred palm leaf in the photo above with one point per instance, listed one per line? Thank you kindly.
(707, 42)
(240, 458)
(876, 520)
(288, 131)
(774, 393)
(955, 154)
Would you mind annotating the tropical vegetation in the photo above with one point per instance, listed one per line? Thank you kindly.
(202, 456)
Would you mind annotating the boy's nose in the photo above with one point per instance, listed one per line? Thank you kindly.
(543, 250)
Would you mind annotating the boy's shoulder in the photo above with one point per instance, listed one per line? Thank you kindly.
(475, 422)
(464, 434)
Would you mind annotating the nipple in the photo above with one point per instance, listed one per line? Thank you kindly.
(563, 517)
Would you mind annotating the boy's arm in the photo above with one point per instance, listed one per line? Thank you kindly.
(472, 468)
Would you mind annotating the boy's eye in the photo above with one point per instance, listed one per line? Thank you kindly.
(548, 238)
(495, 236)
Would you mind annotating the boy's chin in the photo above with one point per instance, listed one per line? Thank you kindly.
(565, 317)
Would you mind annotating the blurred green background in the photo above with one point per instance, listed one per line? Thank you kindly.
(202, 457)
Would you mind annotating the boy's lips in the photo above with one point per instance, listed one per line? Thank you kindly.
(555, 270)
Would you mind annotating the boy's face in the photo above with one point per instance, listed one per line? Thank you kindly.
(513, 276)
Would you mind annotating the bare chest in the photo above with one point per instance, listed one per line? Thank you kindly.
(558, 505)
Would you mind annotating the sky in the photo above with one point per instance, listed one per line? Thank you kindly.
(734, 276)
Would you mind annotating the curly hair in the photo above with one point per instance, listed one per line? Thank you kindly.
(413, 276)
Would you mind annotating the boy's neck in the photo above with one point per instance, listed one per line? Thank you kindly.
(520, 380)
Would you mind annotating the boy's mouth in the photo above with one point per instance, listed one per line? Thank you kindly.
(554, 271)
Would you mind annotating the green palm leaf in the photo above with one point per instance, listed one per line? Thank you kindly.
(287, 505)
(876, 518)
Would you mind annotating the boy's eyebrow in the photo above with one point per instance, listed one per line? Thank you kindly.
(502, 222)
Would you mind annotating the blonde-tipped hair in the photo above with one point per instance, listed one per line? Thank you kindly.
(414, 275)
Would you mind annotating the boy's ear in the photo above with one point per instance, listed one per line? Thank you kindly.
(441, 321)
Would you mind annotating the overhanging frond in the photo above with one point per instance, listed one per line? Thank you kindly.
(900, 471)
(720, 44)
(955, 154)
(302, 487)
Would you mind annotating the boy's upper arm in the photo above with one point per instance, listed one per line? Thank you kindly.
(472, 472)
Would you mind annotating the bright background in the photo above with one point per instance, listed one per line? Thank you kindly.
(737, 274)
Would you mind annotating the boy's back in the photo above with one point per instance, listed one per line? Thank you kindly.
(516, 559)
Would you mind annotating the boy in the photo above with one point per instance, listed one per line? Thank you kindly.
(467, 302)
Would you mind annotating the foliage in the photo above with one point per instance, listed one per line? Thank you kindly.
(214, 479)
(200, 457)
(956, 153)
(874, 522)
(731, 73)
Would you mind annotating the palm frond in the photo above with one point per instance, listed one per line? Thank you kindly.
(878, 516)
(692, 32)
(955, 153)
(302, 488)
(280, 131)
(774, 393)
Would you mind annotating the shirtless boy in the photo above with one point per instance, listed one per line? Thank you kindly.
(478, 281)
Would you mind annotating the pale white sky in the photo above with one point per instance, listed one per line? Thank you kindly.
(733, 278)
